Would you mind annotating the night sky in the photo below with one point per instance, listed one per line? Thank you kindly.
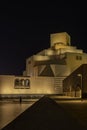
(25, 29)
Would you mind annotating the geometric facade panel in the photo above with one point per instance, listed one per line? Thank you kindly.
(47, 71)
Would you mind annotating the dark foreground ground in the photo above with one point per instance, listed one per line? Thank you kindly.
(46, 114)
(77, 109)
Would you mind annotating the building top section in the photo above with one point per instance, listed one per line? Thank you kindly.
(59, 39)
(60, 44)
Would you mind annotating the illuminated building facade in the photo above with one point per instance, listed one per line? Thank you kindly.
(46, 71)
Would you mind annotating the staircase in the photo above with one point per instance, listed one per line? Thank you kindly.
(58, 84)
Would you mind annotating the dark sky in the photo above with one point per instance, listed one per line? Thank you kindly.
(25, 30)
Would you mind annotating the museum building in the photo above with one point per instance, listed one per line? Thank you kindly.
(57, 70)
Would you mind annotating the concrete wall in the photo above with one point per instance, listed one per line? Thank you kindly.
(38, 85)
(74, 60)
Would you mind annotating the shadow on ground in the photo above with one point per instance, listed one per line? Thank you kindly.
(45, 114)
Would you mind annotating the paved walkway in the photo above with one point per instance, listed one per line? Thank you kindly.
(9, 111)
(45, 114)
